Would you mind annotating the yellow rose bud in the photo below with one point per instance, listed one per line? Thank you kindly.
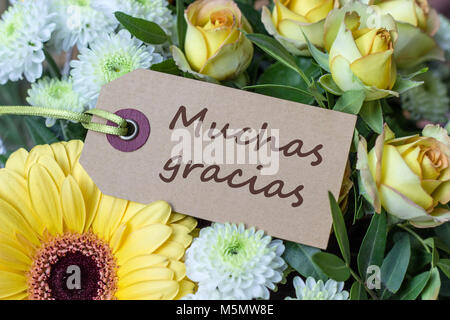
(215, 45)
(360, 50)
(409, 177)
(290, 17)
(417, 24)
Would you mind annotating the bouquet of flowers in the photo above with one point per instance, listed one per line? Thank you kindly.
(385, 61)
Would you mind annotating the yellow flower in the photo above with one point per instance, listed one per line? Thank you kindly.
(360, 43)
(417, 24)
(61, 238)
(290, 17)
(409, 177)
(214, 44)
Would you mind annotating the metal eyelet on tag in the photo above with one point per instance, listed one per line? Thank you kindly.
(140, 126)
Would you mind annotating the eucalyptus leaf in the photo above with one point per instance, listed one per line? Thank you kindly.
(414, 287)
(431, 291)
(333, 266)
(327, 82)
(144, 30)
(299, 257)
(339, 228)
(350, 102)
(395, 264)
(374, 244)
(444, 265)
(357, 292)
(372, 115)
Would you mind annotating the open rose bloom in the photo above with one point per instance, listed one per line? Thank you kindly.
(410, 176)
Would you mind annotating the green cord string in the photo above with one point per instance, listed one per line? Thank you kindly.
(84, 118)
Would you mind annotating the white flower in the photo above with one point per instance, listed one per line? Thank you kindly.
(317, 290)
(78, 23)
(2, 148)
(108, 58)
(205, 294)
(230, 262)
(156, 11)
(24, 28)
(55, 94)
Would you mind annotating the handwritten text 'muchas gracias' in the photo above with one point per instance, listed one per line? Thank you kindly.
(212, 172)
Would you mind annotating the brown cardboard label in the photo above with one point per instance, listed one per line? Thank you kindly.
(225, 155)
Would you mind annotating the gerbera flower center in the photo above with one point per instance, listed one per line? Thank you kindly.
(73, 267)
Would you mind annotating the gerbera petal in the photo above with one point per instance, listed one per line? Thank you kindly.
(172, 250)
(13, 258)
(53, 169)
(159, 289)
(178, 268)
(181, 235)
(186, 287)
(18, 296)
(73, 149)
(144, 261)
(11, 284)
(186, 221)
(143, 241)
(157, 212)
(73, 205)
(45, 199)
(61, 157)
(109, 215)
(147, 274)
(16, 161)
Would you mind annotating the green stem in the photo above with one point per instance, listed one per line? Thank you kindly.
(357, 278)
(415, 235)
(64, 130)
(53, 67)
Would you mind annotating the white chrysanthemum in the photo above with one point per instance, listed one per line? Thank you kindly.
(107, 59)
(55, 94)
(24, 28)
(229, 261)
(78, 23)
(156, 11)
(206, 294)
(317, 290)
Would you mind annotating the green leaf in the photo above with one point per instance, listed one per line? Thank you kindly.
(299, 257)
(395, 264)
(279, 74)
(403, 85)
(147, 31)
(278, 86)
(333, 266)
(53, 67)
(327, 82)
(181, 24)
(339, 228)
(273, 48)
(167, 66)
(414, 74)
(38, 132)
(373, 245)
(372, 115)
(350, 102)
(431, 291)
(444, 265)
(357, 292)
(321, 58)
(414, 287)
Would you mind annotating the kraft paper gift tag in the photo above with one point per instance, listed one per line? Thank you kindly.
(223, 154)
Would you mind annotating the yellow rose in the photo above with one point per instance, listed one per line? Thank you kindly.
(409, 177)
(290, 17)
(417, 24)
(215, 45)
(360, 42)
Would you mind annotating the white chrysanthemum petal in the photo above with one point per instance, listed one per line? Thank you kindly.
(55, 94)
(229, 261)
(317, 290)
(24, 27)
(108, 58)
(156, 11)
(78, 23)
(2, 148)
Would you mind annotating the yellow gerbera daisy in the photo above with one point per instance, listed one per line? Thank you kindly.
(56, 224)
